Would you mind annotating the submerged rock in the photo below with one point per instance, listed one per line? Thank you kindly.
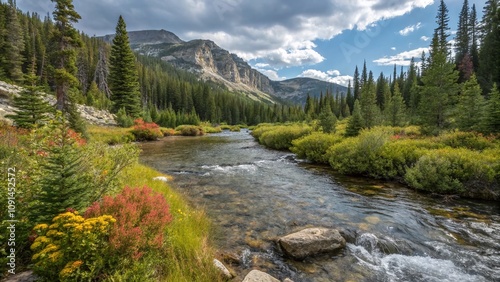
(161, 178)
(259, 276)
(311, 241)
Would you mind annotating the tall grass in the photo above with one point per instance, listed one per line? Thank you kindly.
(188, 256)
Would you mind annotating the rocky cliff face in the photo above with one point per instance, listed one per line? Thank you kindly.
(211, 62)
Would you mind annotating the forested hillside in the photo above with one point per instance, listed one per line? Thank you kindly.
(28, 44)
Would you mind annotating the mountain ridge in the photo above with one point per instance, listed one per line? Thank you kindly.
(211, 62)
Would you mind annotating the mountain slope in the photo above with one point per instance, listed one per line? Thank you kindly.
(211, 62)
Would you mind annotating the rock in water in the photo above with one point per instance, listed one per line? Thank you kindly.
(259, 276)
(311, 241)
(223, 269)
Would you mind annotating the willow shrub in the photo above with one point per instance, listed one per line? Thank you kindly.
(469, 140)
(190, 130)
(281, 137)
(456, 171)
(314, 146)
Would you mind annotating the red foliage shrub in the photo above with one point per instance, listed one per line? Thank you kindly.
(146, 131)
(141, 216)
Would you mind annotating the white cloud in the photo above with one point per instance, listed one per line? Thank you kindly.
(272, 74)
(332, 76)
(409, 29)
(281, 33)
(393, 48)
(425, 38)
(401, 59)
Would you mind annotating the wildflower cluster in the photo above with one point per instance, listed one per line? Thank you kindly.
(72, 247)
(141, 216)
(146, 131)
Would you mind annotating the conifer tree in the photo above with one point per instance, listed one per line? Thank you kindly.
(356, 86)
(64, 42)
(62, 184)
(492, 114)
(489, 57)
(349, 97)
(474, 37)
(395, 110)
(355, 123)
(442, 31)
(438, 90)
(470, 106)
(368, 103)
(123, 76)
(14, 45)
(32, 109)
(327, 119)
(462, 37)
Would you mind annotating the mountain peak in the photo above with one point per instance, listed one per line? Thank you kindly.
(149, 37)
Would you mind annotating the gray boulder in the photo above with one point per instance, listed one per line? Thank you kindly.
(311, 241)
(259, 276)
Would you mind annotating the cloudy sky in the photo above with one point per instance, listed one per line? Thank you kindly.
(324, 39)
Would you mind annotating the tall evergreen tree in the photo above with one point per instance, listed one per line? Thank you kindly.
(474, 37)
(327, 119)
(492, 113)
(368, 103)
(14, 44)
(470, 106)
(355, 123)
(356, 86)
(395, 110)
(64, 41)
(438, 90)
(462, 37)
(489, 57)
(123, 76)
(349, 97)
(442, 31)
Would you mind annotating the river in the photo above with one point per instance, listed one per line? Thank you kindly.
(254, 195)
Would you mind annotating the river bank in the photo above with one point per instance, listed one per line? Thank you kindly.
(254, 196)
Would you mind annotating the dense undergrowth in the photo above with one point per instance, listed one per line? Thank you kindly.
(455, 162)
(91, 212)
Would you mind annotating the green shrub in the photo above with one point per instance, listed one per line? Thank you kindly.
(455, 171)
(469, 140)
(123, 120)
(235, 128)
(261, 128)
(211, 129)
(281, 137)
(314, 147)
(190, 130)
(168, 131)
(72, 248)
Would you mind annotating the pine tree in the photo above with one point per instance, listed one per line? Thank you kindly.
(356, 86)
(395, 111)
(442, 30)
(123, 76)
(438, 90)
(327, 120)
(14, 45)
(381, 83)
(489, 57)
(349, 97)
(462, 37)
(473, 29)
(64, 42)
(369, 110)
(470, 106)
(32, 109)
(355, 123)
(492, 113)
(62, 182)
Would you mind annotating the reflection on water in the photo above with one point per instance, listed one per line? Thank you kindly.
(255, 195)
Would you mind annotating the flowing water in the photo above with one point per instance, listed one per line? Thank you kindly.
(255, 195)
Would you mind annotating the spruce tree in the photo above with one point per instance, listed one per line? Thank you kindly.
(395, 111)
(14, 45)
(492, 113)
(62, 182)
(368, 103)
(355, 123)
(349, 97)
(123, 76)
(462, 37)
(327, 119)
(470, 106)
(474, 37)
(489, 57)
(442, 30)
(356, 86)
(438, 90)
(32, 109)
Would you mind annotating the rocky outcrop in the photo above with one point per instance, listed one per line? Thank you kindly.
(259, 276)
(90, 114)
(311, 241)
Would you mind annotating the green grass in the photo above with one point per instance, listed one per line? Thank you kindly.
(188, 256)
(110, 135)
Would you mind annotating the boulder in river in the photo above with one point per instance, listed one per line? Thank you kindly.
(311, 241)
(259, 276)
(223, 269)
